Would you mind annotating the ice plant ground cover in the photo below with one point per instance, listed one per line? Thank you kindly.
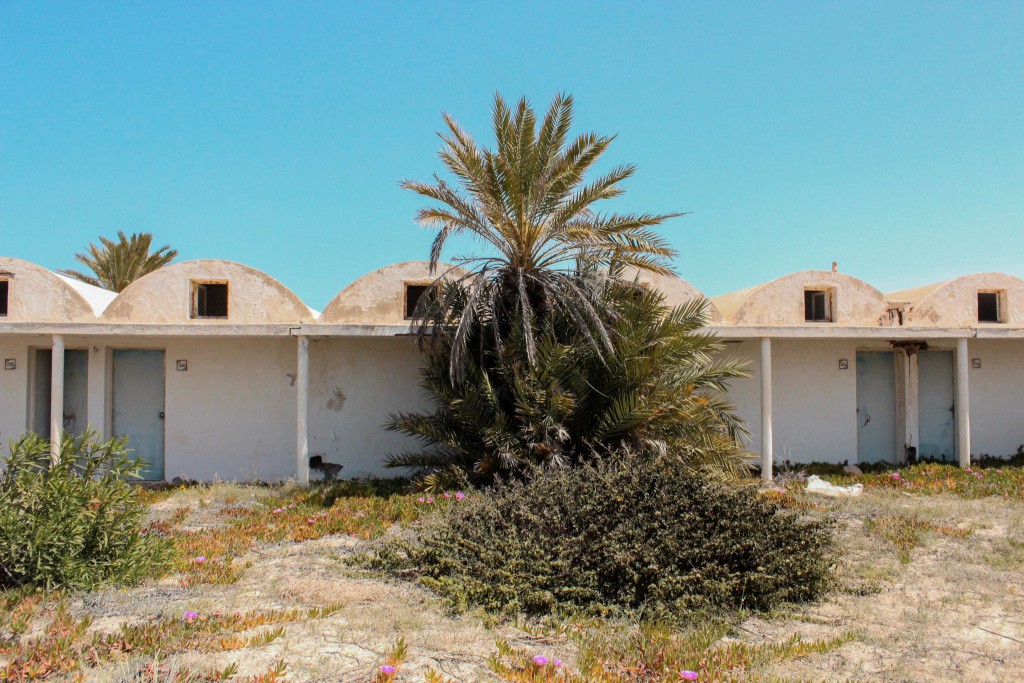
(929, 589)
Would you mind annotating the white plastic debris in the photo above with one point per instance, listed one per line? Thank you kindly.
(816, 484)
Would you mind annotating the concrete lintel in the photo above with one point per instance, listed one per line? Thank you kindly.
(136, 330)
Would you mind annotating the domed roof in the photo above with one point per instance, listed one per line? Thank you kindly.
(36, 295)
(167, 296)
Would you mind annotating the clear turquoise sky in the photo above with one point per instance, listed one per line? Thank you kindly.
(886, 136)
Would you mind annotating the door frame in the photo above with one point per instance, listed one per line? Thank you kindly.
(109, 398)
(32, 393)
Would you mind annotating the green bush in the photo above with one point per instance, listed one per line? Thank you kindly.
(75, 523)
(620, 536)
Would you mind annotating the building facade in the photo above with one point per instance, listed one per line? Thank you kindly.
(215, 370)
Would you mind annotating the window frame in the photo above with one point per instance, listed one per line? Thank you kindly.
(1000, 301)
(5, 296)
(195, 288)
(426, 285)
(830, 304)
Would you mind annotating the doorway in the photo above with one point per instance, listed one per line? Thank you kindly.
(138, 407)
(876, 406)
(76, 384)
(937, 405)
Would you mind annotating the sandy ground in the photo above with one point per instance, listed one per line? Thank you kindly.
(955, 612)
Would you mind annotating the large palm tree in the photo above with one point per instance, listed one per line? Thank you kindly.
(545, 245)
(115, 265)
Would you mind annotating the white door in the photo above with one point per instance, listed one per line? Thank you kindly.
(138, 407)
(876, 406)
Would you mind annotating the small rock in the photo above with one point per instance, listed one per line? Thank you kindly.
(852, 469)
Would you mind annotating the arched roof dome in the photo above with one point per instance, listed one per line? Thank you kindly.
(677, 291)
(781, 301)
(36, 295)
(954, 303)
(378, 298)
(165, 296)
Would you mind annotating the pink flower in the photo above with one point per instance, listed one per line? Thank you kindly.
(422, 500)
(688, 675)
(191, 616)
(999, 471)
(292, 506)
(895, 475)
(430, 500)
(540, 660)
(387, 669)
(557, 662)
(969, 470)
(200, 559)
(447, 495)
(460, 495)
(311, 521)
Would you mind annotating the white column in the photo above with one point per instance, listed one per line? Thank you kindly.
(766, 409)
(302, 423)
(56, 396)
(963, 404)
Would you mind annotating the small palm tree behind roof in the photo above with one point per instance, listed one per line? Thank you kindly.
(115, 265)
(528, 203)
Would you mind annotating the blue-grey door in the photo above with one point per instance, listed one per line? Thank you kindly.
(76, 384)
(876, 406)
(935, 398)
(138, 406)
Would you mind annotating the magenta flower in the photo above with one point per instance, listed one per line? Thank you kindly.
(540, 660)
(688, 675)
(895, 475)
(200, 559)
(557, 662)
(191, 616)
(387, 669)
(968, 470)
(422, 500)
(460, 495)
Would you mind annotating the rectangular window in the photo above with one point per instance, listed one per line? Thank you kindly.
(413, 293)
(818, 305)
(989, 310)
(209, 300)
(5, 288)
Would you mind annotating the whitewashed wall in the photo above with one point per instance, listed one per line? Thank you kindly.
(997, 396)
(355, 383)
(13, 390)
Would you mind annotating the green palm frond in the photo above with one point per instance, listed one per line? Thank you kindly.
(115, 265)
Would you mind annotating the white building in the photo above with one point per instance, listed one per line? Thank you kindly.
(216, 370)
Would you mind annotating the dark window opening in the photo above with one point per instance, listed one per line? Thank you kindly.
(817, 306)
(210, 300)
(413, 294)
(988, 307)
(4, 289)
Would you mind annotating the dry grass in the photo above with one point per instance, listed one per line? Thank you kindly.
(929, 589)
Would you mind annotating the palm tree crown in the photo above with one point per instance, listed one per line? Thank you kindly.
(115, 265)
(547, 248)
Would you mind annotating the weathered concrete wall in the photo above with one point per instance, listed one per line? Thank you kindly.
(781, 302)
(997, 407)
(955, 303)
(13, 389)
(378, 298)
(815, 403)
(165, 296)
(355, 384)
(37, 295)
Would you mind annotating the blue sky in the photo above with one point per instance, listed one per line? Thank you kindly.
(886, 136)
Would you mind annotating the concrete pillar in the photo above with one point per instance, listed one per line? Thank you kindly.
(908, 401)
(963, 404)
(767, 458)
(302, 421)
(56, 396)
